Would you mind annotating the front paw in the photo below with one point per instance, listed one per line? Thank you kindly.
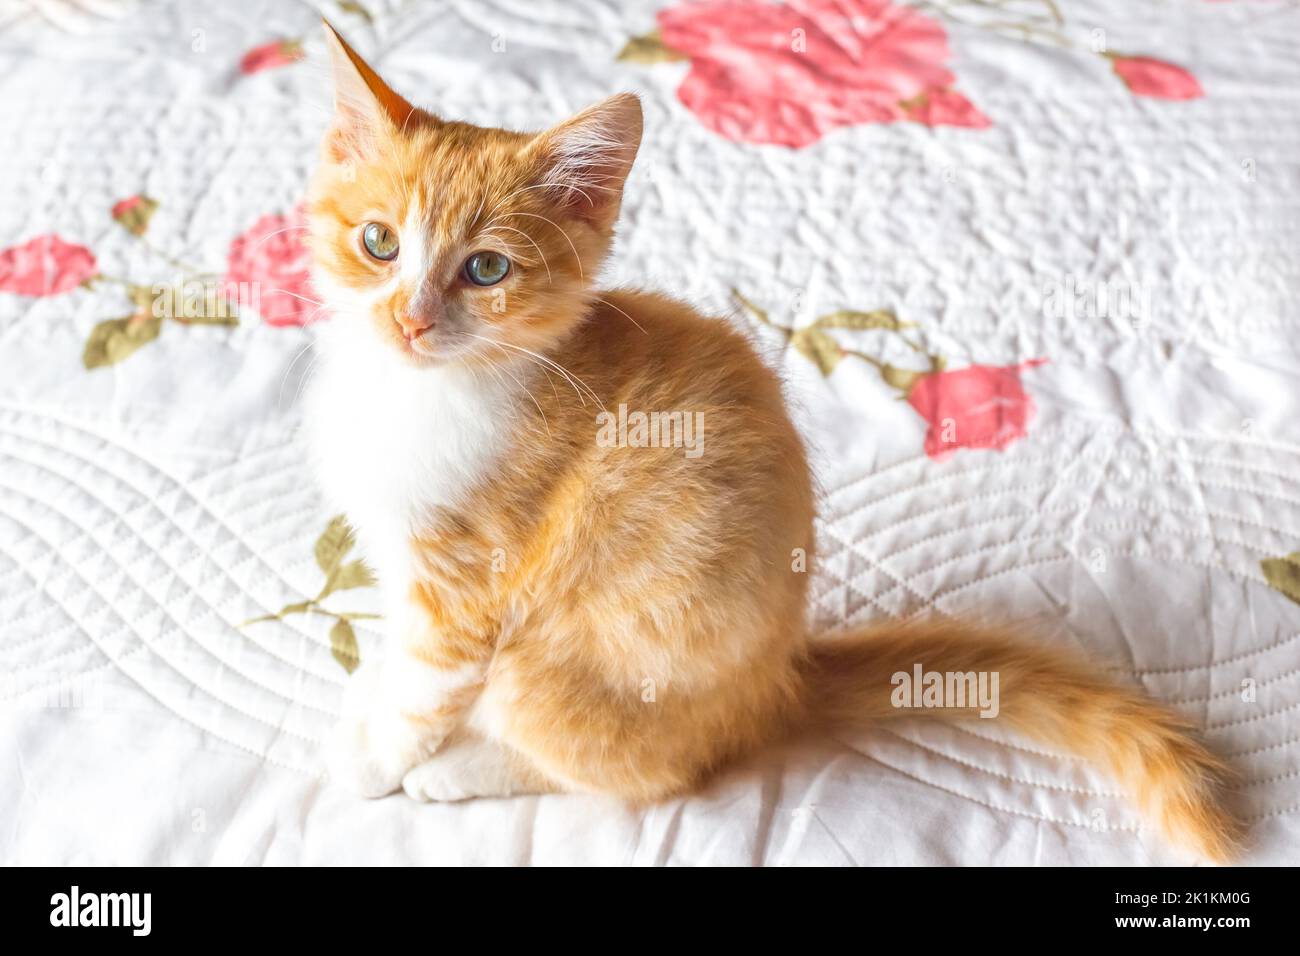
(438, 780)
(370, 754)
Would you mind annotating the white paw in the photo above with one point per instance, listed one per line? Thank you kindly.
(370, 755)
(437, 780)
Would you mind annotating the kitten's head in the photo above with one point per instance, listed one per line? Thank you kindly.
(450, 242)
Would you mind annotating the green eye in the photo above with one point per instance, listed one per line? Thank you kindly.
(486, 268)
(380, 241)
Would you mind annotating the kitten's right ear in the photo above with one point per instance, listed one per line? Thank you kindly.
(365, 107)
(587, 158)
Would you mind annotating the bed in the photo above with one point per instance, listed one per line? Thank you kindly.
(1029, 270)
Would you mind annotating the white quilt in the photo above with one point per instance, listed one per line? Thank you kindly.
(1038, 270)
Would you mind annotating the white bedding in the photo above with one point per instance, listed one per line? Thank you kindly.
(151, 506)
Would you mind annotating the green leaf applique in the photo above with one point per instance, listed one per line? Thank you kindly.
(195, 299)
(114, 339)
(818, 347)
(814, 343)
(343, 644)
(334, 544)
(1283, 574)
(851, 319)
(352, 6)
(133, 214)
(648, 48)
(354, 574)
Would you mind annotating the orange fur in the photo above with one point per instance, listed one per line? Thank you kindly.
(1052, 696)
(633, 618)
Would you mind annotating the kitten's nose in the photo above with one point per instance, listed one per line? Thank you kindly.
(413, 325)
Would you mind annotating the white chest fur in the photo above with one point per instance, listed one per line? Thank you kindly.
(391, 442)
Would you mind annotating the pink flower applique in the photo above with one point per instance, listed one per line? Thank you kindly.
(788, 73)
(980, 406)
(134, 212)
(270, 55)
(46, 265)
(268, 270)
(1147, 76)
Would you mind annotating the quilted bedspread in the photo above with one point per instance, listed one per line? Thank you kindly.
(1030, 272)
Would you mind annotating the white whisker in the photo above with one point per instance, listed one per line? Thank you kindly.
(572, 379)
(276, 233)
(525, 388)
(617, 309)
(304, 298)
(279, 397)
(535, 246)
(576, 257)
(306, 376)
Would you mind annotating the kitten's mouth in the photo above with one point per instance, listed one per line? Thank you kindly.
(420, 346)
(423, 348)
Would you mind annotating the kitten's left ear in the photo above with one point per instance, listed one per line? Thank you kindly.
(586, 159)
(364, 105)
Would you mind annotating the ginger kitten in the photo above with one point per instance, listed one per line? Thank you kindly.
(571, 613)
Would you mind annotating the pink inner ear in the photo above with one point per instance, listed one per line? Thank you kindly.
(586, 188)
(589, 157)
(365, 106)
(337, 143)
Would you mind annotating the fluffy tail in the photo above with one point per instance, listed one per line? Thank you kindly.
(1046, 694)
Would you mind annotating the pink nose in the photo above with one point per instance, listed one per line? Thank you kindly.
(413, 325)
